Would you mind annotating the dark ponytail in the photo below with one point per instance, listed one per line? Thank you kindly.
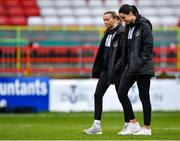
(128, 8)
(136, 12)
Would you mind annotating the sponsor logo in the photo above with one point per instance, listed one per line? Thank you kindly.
(23, 88)
(75, 95)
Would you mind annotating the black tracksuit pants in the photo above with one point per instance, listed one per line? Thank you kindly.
(101, 88)
(143, 83)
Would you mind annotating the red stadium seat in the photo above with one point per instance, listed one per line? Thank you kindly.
(32, 11)
(15, 11)
(3, 11)
(18, 20)
(1, 2)
(4, 20)
(11, 3)
(26, 3)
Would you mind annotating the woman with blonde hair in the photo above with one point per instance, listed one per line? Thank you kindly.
(108, 65)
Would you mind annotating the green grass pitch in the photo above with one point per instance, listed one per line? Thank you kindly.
(68, 126)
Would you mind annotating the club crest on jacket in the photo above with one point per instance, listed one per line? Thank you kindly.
(115, 44)
(137, 33)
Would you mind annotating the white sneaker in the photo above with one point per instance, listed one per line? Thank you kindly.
(93, 130)
(124, 128)
(144, 131)
(132, 128)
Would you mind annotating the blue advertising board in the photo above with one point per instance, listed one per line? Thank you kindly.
(19, 92)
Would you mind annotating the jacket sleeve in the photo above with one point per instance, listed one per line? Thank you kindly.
(98, 63)
(122, 44)
(146, 51)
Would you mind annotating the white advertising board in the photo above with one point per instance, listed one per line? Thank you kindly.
(78, 95)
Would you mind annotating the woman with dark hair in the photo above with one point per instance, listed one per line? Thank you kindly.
(108, 65)
(139, 69)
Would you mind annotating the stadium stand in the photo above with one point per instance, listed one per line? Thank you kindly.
(17, 12)
(67, 33)
(95, 8)
(91, 9)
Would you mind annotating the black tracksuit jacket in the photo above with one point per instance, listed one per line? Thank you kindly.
(116, 56)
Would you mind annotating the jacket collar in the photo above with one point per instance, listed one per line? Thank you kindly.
(112, 31)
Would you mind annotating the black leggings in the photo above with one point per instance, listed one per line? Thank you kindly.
(143, 83)
(101, 88)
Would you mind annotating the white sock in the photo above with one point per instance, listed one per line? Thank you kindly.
(126, 124)
(97, 123)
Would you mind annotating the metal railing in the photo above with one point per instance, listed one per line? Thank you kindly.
(75, 56)
(76, 60)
